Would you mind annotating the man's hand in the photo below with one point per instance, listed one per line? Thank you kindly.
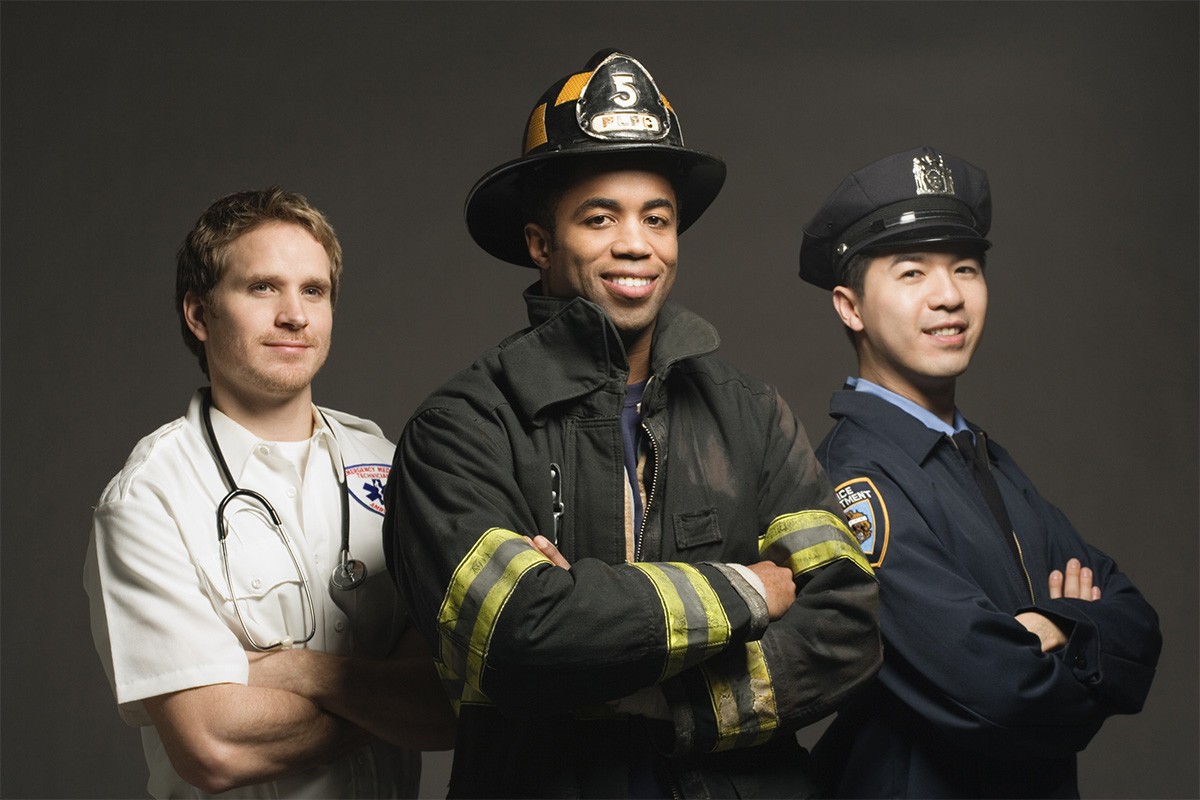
(780, 586)
(547, 548)
(1074, 582)
(1050, 635)
(1077, 583)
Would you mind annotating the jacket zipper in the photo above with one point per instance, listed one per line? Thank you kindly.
(641, 539)
(637, 555)
(1024, 570)
(556, 504)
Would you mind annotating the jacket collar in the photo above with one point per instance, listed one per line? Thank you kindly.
(886, 420)
(573, 349)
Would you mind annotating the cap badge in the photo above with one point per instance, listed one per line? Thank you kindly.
(932, 175)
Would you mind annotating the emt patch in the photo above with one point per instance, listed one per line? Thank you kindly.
(365, 482)
(866, 516)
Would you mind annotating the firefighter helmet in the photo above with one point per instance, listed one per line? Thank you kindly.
(613, 107)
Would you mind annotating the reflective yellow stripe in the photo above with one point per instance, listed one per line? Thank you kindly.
(479, 588)
(571, 89)
(459, 692)
(663, 97)
(806, 540)
(535, 131)
(715, 618)
(493, 604)
(473, 696)
(743, 699)
(695, 619)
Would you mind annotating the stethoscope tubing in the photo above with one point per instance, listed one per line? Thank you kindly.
(348, 574)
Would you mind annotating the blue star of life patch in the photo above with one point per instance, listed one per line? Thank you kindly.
(365, 482)
(866, 516)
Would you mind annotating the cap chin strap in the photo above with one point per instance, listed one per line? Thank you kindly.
(897, 215)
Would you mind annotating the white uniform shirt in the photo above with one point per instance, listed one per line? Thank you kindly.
(162, 618)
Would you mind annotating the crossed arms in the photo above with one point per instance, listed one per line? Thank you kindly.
(301, 708)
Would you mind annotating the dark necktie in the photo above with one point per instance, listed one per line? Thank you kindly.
(973, 450)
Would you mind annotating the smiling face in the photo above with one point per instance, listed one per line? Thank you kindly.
(918, 320)
(266, 326)
(614, 243)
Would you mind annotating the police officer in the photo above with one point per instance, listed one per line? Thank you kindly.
(576, 519)
(1008, 639)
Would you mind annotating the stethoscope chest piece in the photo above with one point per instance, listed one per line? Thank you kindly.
(348, 574)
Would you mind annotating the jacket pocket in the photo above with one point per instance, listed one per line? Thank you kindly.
(696, 528)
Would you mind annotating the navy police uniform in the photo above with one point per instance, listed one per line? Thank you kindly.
(967, 704)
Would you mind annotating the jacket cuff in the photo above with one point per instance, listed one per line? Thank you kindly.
(726, 703)
(751, 594)
(1081, 653)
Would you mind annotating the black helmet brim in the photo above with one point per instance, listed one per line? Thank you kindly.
(495, 209)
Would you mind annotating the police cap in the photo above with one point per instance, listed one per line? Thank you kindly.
(611, 108)
(916, 197)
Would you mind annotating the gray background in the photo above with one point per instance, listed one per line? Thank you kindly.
(121, 122)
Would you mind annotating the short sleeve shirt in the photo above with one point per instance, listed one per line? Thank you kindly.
(162, 610)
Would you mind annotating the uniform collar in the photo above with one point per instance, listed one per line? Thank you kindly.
(238, 443)
(923, 415)
(887, 420)
(573, 349)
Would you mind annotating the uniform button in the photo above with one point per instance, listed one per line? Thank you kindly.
(264, 450)
(291, 491)
(339, 626)
(256, 583)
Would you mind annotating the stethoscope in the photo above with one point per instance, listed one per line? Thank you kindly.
(348, 574)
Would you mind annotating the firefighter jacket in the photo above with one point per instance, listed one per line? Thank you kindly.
(527, 441)
(967, 704)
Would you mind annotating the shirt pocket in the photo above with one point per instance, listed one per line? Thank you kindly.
(263, 578)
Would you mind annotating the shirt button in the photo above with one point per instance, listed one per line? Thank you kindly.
(291, 491)
(264, 450)
(256, 583)
(339, 626)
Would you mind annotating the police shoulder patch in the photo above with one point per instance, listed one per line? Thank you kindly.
(866, 516)
(365, 482)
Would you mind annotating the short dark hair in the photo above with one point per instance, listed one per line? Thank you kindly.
(203, 256)
(541, 190)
